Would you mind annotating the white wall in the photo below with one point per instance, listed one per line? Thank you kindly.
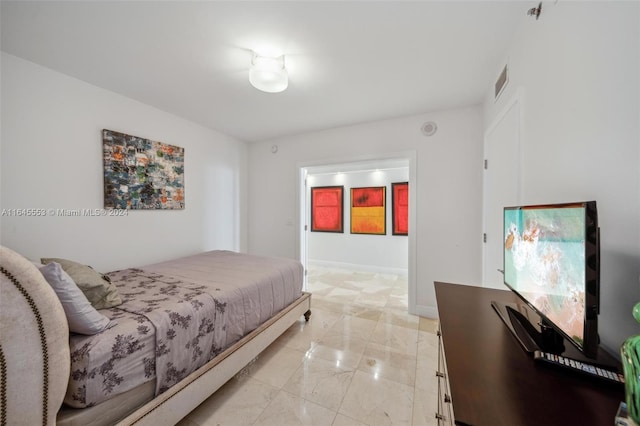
(578, 67)
(448, 184)
(51, 157)
(388, 252)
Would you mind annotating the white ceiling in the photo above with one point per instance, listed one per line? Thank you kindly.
(349, 62)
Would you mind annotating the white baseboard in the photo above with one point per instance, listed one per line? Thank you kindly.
(426, 311)
(356, 267)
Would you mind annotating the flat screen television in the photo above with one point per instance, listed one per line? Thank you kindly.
(551, 261)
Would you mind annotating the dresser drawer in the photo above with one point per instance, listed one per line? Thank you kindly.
(444, 413)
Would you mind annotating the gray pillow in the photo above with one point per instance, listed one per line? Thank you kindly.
(81, 316)
(95, 286)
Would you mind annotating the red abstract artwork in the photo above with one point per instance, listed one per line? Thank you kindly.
(400, 199)
(327, 209)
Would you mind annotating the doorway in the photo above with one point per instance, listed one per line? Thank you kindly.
(347, 172)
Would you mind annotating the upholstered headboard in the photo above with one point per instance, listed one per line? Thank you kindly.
(34, 344)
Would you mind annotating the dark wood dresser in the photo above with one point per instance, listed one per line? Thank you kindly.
(488, 379)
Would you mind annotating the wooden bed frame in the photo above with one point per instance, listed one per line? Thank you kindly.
(35, 359)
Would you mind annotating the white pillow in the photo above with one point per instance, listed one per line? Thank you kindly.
(81, 316)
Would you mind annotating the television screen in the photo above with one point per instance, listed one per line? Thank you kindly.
(547, 252)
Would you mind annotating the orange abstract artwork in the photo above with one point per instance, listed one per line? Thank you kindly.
(368, 210)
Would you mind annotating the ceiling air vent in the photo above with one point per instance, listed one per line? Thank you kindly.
(501, 82)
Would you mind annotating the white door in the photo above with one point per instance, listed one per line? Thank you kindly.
(501, 186)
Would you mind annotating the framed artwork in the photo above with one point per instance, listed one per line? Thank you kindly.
(141, 174)
(327, 209)
(368, 210)
(400, 208)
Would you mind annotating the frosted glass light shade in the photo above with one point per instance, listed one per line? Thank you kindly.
(268, 74)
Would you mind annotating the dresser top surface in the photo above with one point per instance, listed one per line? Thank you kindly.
(495, 382)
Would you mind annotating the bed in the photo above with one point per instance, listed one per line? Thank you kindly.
(180, 330)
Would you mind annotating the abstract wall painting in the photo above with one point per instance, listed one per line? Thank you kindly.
(368, 210)
(400, 208)
(141, 174)
(327, 209)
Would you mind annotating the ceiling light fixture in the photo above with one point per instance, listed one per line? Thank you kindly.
(268, 73)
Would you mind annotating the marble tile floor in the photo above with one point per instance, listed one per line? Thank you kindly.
(360, 360)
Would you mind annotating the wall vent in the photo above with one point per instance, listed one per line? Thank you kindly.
(501, 82)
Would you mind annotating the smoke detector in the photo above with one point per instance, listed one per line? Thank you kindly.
(429, 128)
